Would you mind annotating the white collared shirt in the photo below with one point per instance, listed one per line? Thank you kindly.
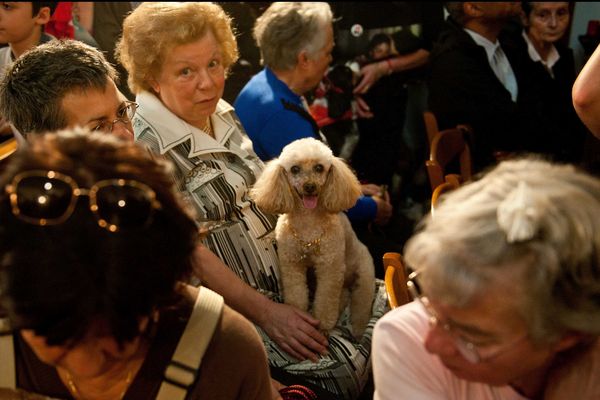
(553, 55)
(498, 62)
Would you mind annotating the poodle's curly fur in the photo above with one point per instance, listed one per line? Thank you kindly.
(310, 188)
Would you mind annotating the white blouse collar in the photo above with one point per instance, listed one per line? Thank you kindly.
(172, 130)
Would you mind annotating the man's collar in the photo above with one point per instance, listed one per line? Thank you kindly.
(490, 48)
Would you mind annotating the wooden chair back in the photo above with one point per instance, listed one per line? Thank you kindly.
(449, 145)
(431, 126)
(395, 280)
(452, 181)
(7, 148)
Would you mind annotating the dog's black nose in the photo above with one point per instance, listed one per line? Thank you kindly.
(309, 187)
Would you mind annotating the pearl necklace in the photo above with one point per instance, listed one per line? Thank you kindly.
(75, 392)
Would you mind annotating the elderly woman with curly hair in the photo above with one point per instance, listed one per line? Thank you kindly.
(177, 56)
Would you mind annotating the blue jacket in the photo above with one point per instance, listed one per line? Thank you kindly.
(263, 106)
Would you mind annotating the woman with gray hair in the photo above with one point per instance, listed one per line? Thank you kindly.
(295, 41)
(507, 289)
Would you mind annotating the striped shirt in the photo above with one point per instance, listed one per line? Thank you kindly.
(214, 175)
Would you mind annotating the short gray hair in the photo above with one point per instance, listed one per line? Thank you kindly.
(287, 28)
(528, 222)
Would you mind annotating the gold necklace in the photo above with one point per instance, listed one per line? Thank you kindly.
(75, 392)
(208, 128)
(312, 246)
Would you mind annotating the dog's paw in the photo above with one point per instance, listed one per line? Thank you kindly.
(358, 329)
(324, 332)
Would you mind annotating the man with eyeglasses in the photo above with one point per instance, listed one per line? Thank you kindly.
(506, 288)
(63, 84)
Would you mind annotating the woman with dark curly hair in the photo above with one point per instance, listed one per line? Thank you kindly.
(95, 246)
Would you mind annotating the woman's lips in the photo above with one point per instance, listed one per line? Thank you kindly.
(205, 101)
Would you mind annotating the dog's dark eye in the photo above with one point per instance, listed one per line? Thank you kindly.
(295, 169)
(318, 168)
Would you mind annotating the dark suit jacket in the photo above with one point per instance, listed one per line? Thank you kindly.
(463, 89)
(565, 141)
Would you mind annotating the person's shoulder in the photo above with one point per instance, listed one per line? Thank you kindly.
(453, 44)
(257, 91)
(5, 59)
(235, 365)
(565, 52)
(235, 330)
(256, 85)
(408, 315)
(511, 37)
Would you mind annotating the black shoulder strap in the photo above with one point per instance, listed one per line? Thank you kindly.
(304, 114)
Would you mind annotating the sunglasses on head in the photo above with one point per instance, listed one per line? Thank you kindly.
(49, 198)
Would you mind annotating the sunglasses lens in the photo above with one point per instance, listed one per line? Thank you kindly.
(40, 197)
(124, 206)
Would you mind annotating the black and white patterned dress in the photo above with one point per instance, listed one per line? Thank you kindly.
(215, 175)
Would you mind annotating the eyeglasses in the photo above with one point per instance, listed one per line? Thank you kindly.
(470, 351)
(49, 198)
(125, 115)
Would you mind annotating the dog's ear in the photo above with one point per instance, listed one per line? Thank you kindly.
(272, 192)
(342, 188)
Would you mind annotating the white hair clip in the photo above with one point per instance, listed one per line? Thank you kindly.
(518, 215)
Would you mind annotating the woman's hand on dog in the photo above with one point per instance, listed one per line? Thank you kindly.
(295, 331)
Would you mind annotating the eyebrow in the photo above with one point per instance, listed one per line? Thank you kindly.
(217, 52)
(467, 328)
(104, 117)
(470, 329)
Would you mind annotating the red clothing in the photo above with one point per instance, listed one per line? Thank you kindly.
(61, 22)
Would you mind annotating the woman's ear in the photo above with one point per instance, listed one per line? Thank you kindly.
(569, 340)
(303, 59)
(153, 84)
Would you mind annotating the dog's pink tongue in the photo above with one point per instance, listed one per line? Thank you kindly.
(310, 202)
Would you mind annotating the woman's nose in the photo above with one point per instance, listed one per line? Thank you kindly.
(553, 20)
(205, 81)
(439, 342)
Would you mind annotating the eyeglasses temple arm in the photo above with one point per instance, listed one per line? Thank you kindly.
(21, 141)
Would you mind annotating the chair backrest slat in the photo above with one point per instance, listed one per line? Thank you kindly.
(395, 280)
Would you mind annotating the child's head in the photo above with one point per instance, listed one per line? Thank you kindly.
(380, 46)
(21, 23)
